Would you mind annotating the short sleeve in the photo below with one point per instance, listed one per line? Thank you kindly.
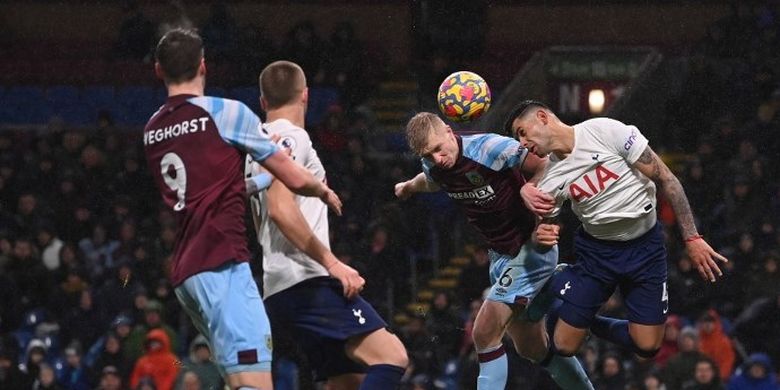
(494, 151)
(626, 140)
(238, 126)
(298, 143)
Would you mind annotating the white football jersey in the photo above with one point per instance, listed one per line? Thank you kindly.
(613, 200)
(284, 265)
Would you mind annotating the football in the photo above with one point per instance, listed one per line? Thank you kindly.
(464, 96)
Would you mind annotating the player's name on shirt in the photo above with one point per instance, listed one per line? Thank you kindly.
(172, 131)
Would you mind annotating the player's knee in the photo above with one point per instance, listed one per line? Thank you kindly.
(564, 347)
(397, 354)
(647, 348)
(484, 338)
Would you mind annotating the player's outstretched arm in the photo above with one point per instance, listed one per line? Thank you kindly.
(285, 213)
(299, 180)
(419, 183)
(698, 250)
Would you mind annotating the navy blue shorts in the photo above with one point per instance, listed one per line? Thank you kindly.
(320, 319)
(637, 267)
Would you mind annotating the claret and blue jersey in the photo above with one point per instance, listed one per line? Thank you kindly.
(194, 147)
(485, 182)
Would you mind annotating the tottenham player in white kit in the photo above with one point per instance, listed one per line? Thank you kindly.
(307, 290)
(609, 173)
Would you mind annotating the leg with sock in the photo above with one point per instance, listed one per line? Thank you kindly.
(492, 368)
(566, 371)
(616, 331)
(382, 377)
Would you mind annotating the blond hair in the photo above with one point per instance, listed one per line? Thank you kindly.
(281, 82)
(418, 129)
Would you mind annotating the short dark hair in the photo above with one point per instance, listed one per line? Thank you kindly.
(521, 110)
(179, 53)
(281, 82)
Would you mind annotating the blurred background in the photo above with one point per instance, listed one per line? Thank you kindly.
(85, 241)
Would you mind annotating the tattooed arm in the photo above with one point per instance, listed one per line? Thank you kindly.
(698, 250)
(654, 168)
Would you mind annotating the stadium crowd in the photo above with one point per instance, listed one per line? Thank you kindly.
(85, 242)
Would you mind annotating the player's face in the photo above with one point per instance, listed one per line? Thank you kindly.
(530, 130)
(441, 148)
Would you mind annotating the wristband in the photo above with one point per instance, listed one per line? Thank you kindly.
(694, 238)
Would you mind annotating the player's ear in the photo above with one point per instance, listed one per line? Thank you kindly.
(202, 67)
(263, 104)
(542, 116)
(158, 71)
(305, 96)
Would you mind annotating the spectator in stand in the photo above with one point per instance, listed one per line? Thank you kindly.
(420, 347)
(67, 294)
(117, 293)
(611, 375)
(84, 322)
(11, 377)
(31, 277)
(705, 377)
(200, 365)
(680, 367)
(153, 319)
(472, 281)
(756, 373)
(35, 356)
(110, 379)
(110, 356)
(158, 363)
(756, 327)
(714, 343)
(652, 381)
(50, 246)
(74, 376)
(98, 252)
(47, 379)
(445, 326)
(764, 282)
(669, 345)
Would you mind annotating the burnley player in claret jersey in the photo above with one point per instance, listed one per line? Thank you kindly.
(483, 174)
(195, 147)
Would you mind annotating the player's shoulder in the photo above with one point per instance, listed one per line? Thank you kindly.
(476, 144)
(602, 123)
(484, 137)
(215, 105)
(291, 135)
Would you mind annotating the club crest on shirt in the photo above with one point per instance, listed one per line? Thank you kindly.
(287, 143)
(475, 178)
